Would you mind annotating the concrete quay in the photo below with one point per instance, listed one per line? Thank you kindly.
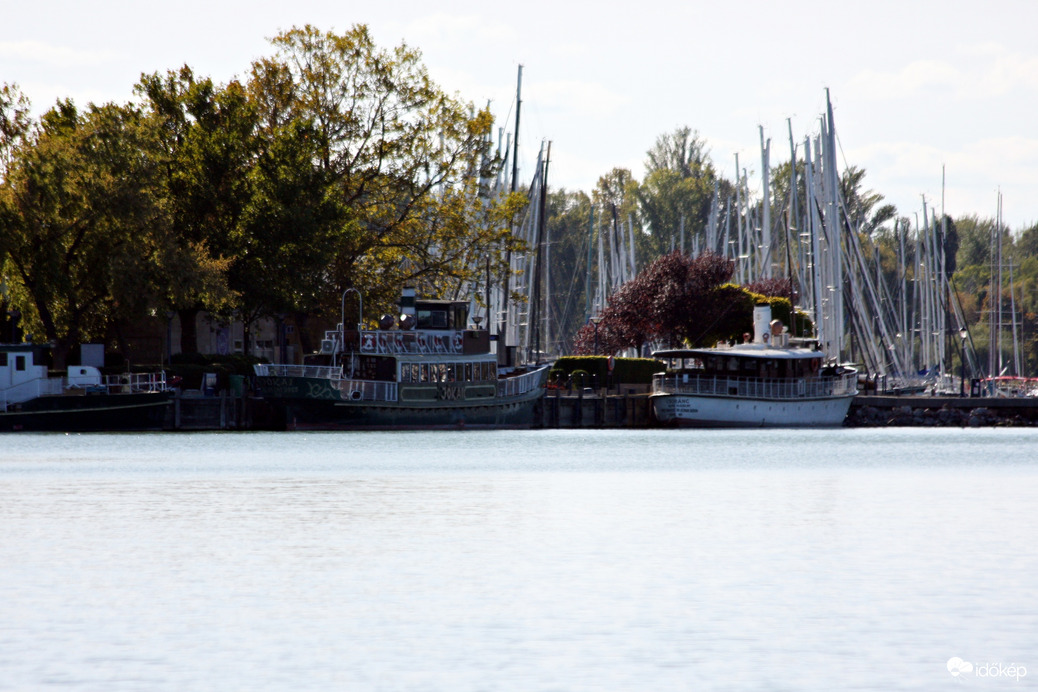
(869, 411)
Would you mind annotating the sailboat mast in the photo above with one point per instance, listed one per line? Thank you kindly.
(765, 153)
(503, 328)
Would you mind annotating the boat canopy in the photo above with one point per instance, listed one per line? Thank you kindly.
(761, 351)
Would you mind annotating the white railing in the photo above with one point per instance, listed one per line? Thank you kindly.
(133, 382)
(25, 391)
(372, 390)
(125, 383)
(352, 389)
(321, 372)
(845, 384)
(521, 384)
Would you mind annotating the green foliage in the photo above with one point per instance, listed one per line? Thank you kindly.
(191, 368)
(625, 370)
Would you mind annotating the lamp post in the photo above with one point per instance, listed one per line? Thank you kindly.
(962, 362)
(342, 324)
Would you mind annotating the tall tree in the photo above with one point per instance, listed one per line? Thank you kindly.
(678, 191)
(675, 299)
(202, 147)
(396, 157)
(81, 230)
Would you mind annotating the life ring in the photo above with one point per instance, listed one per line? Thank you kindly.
(765, 336)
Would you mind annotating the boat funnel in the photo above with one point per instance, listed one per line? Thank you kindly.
(408, 318)
(762, 324)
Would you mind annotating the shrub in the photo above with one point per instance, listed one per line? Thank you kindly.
(625, 370)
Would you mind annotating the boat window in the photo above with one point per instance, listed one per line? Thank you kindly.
(415, 369)
(432, 319)
(468, 372)
(3, 360)
(425, 372)
(405, 372)
(19, 363)
(441, 372)
(733, 363)
(452, 370)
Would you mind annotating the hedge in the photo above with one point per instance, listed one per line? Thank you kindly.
(625, 370)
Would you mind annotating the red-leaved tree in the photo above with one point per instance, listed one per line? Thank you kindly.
(675, 299)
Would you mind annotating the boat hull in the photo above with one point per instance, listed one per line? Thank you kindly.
(88, 413)
(316, 415)
(704, 411)
(305, 404)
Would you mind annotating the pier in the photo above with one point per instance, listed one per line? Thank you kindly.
(870, 411)
(627, 408)
(632, 409)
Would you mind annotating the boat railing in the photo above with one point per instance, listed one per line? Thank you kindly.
(352, 389)
(125, 383)
(520, 384)
(25, 391)
(133, 382)
(845, 384)
(322, 372)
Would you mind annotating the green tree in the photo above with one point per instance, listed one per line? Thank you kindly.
(202, 148)
(678, 189)
(396, 157)
(83, 235)
(865, 211)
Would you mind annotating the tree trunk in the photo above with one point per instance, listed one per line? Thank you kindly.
(246, 337)
(188, 330)
(306, 345)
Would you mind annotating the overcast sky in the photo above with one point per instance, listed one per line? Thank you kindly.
(916, 85)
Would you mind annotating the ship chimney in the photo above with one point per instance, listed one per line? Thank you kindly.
(762, 324)
(407, 308)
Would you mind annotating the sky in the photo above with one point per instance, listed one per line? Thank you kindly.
(923, 91)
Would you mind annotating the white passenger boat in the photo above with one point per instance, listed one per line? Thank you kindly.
(768, 382)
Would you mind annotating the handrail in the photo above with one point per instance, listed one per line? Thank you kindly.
(521, 384)
(125, 383)
(845, 384)
(378, 390)
(323, 372)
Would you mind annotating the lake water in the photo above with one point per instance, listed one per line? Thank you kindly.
(892, 559)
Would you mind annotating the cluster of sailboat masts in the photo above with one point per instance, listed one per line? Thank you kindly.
(911, 331)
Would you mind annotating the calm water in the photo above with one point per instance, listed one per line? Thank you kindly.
(548, 560)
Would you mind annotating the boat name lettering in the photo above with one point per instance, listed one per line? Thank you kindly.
(449, 393)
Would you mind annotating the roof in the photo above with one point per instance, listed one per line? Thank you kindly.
(760, 351)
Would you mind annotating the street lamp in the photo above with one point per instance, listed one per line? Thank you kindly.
(594, 323)
(962, 362)
(342, 325)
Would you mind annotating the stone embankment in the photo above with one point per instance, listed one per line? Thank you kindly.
(883, 411)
